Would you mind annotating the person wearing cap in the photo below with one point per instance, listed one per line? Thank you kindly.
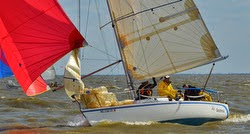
(165, 88)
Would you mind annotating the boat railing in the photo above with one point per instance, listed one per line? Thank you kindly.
(216, 95)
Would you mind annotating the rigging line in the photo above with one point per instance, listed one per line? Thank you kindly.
(109, 73)
(153, 50)
(197, 59)
(102, 34)
(190, 3)
(195, 22)
(191, 9)
(168, 54)
(98, 59)
(195, 29)
(103, 51)
(79, 15)
(148, 41)
(114, 26)
(203, 23)
(120, 11)
(150, 9)
(85, 76)
(209, 34)
(133, 14)
(143, 49)
(124, 27)
(87, 20)
(162, 30)
(117, 62)
(180, 13)
(182, 44)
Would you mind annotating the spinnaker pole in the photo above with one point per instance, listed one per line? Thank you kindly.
(58, 88)
(128, 77)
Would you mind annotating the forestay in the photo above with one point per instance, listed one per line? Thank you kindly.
(161, 37)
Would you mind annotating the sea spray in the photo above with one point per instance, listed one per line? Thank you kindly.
(238, 118)
(78, 120)
(138, 123)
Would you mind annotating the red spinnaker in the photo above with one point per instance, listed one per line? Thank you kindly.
(36, 34)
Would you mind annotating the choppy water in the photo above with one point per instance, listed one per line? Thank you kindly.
(53, 112)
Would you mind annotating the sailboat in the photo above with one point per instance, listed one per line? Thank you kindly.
(155, 39)
(49, 76)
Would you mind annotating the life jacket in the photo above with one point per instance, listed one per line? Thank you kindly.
(146, 92)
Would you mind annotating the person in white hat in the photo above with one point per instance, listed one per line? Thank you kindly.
(165, 88)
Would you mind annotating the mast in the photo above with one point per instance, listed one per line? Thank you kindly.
(128, 77)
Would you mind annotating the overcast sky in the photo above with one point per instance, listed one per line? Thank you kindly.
(227, 20)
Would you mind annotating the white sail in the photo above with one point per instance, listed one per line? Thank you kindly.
(161, 37)
(49, 74)
(72, 75)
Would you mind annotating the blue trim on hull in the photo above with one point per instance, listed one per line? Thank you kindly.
(191, 121)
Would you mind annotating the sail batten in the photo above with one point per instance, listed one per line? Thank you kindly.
(162, 41)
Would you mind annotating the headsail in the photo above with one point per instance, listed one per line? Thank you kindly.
(37, 33)
(161, 37)
(72, 75)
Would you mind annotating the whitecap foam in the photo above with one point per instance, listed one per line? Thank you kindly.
(247, 84)
(238, 118)
(138, 123)
(78, 120)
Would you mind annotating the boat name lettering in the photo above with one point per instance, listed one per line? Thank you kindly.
(220, 110)
(107, 110)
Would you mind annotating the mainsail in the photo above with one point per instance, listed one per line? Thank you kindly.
(161, 37)
(36, 34)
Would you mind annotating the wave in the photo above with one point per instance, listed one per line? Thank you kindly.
(238, 118)
(139, 123)
(246, 84)
(78, 120)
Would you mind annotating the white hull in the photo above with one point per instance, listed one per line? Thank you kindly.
(184, 112)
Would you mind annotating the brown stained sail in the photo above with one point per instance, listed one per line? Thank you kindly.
(161, 37)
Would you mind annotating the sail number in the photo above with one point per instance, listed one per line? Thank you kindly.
(108, 110)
